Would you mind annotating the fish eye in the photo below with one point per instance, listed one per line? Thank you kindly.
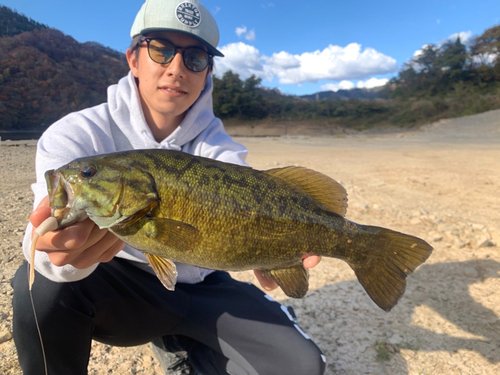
(88, 171)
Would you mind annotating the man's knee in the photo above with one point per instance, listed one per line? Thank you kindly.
(309, 360)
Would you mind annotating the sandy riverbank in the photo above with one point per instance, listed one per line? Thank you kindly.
(440, 183)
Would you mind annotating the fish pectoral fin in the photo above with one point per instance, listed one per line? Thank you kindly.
(323, 189)
(175, 234)
(165, 270)
(294, 280)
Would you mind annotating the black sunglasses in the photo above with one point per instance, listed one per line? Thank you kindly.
(162, 51)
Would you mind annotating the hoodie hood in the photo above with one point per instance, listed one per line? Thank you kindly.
(197, 118)
(128, 117)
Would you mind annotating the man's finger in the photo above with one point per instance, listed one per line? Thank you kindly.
(40, 213)
(311, 261)
(266, 282)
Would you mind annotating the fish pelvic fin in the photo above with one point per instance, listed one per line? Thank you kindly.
(294, 281)
(324, 190)
(392, 257)
(165, 270)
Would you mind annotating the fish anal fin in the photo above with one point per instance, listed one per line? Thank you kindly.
(293, 280)
(164, 269)
(323, 189)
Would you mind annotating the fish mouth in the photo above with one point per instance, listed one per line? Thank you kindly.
(62, 197)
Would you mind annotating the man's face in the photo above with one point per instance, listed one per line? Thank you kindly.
(166, 91)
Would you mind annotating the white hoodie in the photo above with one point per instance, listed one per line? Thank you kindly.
(120, 125)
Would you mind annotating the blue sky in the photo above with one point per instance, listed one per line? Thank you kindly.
(300, 47)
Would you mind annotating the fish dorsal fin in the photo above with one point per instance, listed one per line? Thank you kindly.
(294, 280)
(323, 189)
(165, 270)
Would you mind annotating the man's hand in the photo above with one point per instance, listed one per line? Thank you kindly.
(81, 244)
(269, 284)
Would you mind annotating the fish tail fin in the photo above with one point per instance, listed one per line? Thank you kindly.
(391, 256)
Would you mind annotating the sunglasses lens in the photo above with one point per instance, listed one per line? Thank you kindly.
(163, 52)
(195, 59)
(160, 51)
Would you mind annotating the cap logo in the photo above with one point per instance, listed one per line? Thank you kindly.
(188, 14)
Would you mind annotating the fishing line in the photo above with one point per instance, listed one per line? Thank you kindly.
(48, 225)
(39, 331)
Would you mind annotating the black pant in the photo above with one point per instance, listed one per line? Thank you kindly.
(120, 304)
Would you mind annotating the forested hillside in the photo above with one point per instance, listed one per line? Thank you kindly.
(13, 23)
(45, 74)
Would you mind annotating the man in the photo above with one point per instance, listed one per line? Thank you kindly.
(90, 285)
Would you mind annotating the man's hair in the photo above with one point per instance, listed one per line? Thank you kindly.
(136, 42)
(134, 45)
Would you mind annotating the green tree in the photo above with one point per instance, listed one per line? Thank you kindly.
(227, 95)
(240, 99)
(426, 61)
(486, 47)
(452, 55)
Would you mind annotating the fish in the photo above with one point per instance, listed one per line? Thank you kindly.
(173, 206)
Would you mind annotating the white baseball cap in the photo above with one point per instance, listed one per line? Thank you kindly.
(186, 16)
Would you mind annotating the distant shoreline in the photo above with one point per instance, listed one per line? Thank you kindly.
(314, 129)
(20, 135)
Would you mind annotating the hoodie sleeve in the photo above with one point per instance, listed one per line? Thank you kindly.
(69, 138)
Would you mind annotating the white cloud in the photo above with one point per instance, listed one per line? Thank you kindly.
(241, 30)
(347, 85)
(250, 35)
(371, 83)
(338, 63)
(283, 60)
(343, 85)
(241, 58)
(333, 63)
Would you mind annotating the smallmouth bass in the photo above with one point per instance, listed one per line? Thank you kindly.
(173, 206)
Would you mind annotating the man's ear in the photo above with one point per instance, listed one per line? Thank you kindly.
(133, 62)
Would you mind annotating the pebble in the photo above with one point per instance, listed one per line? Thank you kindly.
(483, 241)
(5, 336)
(471, 272)
(458, 242)
(478, 227)
(395, 339)
(435, 236)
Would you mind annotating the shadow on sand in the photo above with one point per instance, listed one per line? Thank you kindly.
(438, 296)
